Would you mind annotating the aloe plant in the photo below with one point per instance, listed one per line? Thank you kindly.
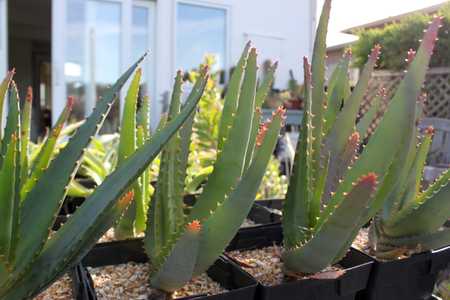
(412, 220)
(332, 192)
(30, 257)
(182, 246)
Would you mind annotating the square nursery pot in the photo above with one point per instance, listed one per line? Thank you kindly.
(357, 270)
(412, 278)
(241, 286)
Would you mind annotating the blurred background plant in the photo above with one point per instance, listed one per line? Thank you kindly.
(203, 149)
(402, 35)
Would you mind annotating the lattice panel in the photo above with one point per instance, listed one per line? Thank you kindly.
(436, 89)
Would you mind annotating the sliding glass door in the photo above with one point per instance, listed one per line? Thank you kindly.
(99, 39)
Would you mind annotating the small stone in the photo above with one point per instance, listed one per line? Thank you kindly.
(59, 290)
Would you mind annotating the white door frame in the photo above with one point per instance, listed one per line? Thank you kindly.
(58, 58)
(207, 4)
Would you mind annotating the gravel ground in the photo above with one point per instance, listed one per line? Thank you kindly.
(129, 282)
(60, 290)
(266, 266)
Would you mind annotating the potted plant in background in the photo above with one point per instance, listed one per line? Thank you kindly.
(30, 257)
(332, 193)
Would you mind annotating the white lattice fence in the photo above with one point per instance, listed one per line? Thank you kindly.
(436, 88)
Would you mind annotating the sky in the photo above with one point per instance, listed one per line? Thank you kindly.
(349, 13)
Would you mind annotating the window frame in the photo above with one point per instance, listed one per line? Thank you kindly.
(59, 54)
(206, 4)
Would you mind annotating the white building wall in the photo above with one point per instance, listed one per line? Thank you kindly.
(281, 30)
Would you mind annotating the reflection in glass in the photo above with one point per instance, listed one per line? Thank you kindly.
(93, 54)
(200, 31)
(142, 33)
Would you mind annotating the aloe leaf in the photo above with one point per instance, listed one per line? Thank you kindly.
(92, 219)
(7, 198)
(231, 160)
(316, 203)
(338, 90)
(336, 142)
(179, 266)
(427, 214)
(426, 241)
(318, 82)
(141, 189)
(71, 128)
(167, 211)
(47, 152)
(394, 130)
(232, 98)
(341, 165)
(261, 95)
(320, 251)
(25, 135)
(198, 179)
(228, 216)
(155, 235)
(10, 180)
(127, 146)
(296, 209)
(78, 190)
(3, 89)
(13, 120)
(415, 180)
(44, 200)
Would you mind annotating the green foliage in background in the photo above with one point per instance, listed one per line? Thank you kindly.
(397, 37)
(203, 148)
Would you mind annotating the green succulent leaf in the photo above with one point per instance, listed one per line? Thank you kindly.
(72, 241)
(231, 100)
(228, 216)
(231, 160)
(320, 251)
(47, 152)
(44, 200)
(296, 209)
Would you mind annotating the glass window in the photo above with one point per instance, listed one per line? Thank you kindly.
(200, 30)
(93, 54)
(142, 40)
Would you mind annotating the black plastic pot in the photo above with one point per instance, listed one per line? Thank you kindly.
(261, 215)
(241, 286)
(82, 284)
(411, 278)
(357, 270)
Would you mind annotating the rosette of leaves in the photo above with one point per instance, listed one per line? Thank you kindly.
(332, 193)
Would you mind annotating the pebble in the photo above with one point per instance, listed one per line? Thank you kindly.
(59, 290)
